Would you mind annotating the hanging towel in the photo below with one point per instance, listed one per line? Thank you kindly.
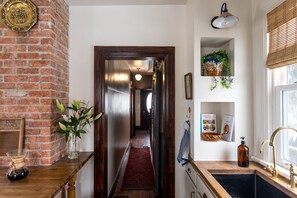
(183, 154)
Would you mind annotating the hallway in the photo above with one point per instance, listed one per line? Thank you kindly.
(141, 140)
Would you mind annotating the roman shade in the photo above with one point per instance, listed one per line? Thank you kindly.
(282, 34)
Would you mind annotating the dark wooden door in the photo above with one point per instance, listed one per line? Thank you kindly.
(156, 135)
(145, 114)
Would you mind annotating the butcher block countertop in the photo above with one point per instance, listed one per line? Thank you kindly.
(43, 181)
(206, 168)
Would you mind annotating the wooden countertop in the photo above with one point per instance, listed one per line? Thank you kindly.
(42, 181)
(206, 168)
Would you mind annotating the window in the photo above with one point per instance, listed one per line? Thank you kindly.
(282, 60)
(285, 80)
(149, 102)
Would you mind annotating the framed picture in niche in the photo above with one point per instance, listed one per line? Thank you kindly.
(188, 86)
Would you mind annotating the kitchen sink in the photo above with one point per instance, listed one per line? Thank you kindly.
(248, 186)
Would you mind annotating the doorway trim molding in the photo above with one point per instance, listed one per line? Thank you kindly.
(103, 53)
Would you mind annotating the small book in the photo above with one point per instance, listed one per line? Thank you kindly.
(227, 127)
(208, 123)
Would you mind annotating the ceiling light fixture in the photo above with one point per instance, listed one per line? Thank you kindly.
(225, 20)
(138, 76)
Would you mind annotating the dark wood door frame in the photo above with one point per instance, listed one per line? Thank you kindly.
(101, 54)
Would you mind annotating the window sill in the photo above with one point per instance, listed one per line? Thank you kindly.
(281, 170)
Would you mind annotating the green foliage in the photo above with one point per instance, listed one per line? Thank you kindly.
(74, 118)
(219, 56)
(214, 83)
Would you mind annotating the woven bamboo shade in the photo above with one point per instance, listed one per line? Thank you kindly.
(282, 30)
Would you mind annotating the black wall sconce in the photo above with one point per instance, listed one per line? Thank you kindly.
(225, 20)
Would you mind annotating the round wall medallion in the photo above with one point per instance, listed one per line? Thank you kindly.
(19, 15)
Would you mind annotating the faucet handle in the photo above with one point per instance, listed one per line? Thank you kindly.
(269, 168)
(292, 175)
(291, 166)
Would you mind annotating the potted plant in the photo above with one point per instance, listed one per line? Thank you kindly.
(217, 64)
(72, 122)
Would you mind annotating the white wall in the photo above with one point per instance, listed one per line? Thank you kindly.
(241, 93)
(181, 26)
(125, 26)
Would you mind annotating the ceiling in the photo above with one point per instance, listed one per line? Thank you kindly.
(145, 66)
(124, 2)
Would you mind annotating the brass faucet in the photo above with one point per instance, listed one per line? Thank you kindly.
(292, 176)
(271, 143)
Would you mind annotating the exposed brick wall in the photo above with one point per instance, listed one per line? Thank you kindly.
(34, 70)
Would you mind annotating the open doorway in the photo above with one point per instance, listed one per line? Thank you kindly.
(167, 140)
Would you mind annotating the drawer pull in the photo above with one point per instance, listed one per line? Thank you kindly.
(204, 195)
(189, 170)
(192, 194)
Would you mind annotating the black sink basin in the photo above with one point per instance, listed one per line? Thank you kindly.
(248, 186)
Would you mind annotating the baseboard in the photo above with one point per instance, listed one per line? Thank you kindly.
(114, 185)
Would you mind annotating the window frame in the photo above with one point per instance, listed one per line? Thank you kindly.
(278, 121)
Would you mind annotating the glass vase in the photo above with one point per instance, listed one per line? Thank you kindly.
(17, 169)
(73, 146)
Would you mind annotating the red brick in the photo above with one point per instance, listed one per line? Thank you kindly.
(38, 48)
(28, 40)
(6, 55)
(46, 101)
(15, 78)
(43, 138)
(14, 48)
(7, 101)
(17, 109)
(42, 109)
(28, 55)
(4, 40)
(39, 63)
(47, 41)
(15, 63)
(46, 131)
(27, 70)
(10, 33)
(28, 101)
(34, 70)
(46, 146)
(33, 116)
(47, 93)
(7, 70)
(37, 123)
(7, 86)
(34, 79)
(27, 86)
(41, 2)
(33, 146)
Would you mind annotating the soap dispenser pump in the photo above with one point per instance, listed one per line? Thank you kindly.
(243, 154)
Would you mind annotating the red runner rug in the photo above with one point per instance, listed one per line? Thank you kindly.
(139, 170)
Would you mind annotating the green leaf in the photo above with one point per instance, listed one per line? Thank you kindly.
(76, 103)
(82, 131)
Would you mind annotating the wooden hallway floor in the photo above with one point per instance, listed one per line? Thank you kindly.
(141, 139)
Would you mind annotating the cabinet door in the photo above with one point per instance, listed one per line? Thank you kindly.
(190, 188)
(202, 189)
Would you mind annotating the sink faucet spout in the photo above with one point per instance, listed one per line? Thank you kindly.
(271, 143)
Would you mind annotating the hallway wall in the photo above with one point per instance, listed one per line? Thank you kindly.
(118, 112)
(124, 26)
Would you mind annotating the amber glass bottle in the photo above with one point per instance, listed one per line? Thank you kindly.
(243, 154)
